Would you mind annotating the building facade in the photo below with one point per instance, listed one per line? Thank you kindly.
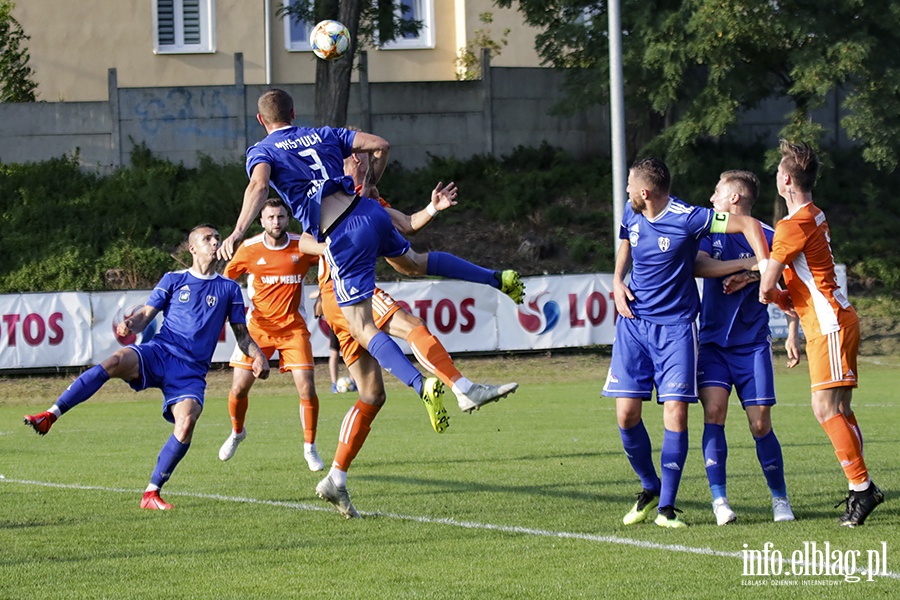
(170, 43)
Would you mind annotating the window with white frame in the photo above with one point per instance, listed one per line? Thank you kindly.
(296, 33)
(183, 26)
(415, 10)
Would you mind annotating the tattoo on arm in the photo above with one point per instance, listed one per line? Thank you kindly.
(244, 341)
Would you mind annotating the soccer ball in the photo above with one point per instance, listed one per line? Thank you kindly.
(345, 384)
(330, 40)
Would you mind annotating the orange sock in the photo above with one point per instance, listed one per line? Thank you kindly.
(237, 408)
(847, 448)
(432, 355)
(309, 418)
(354, 430)
(852, 420)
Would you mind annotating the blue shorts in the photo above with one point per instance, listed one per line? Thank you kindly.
(645, 355)
(177, 378)
(353, 247)
(748, 368)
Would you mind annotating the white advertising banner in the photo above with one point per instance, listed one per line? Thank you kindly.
(560, 311)
(462, 315)
(45, 330)
(110, 308)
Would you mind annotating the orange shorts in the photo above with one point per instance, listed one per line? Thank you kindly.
(294, 350)
(383, 308)
(832, 358)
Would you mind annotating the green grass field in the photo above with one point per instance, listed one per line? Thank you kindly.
(521, 500)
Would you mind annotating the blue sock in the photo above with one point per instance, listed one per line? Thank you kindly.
(171, 454)
(391, 358)
(442, 264)
(82, 388)
(636, 443)
(674, 455)
(715, 454)
(768, 450)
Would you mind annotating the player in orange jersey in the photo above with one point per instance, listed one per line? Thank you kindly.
(801, 250)
(397, 322)
(392, 319)
(275, 268)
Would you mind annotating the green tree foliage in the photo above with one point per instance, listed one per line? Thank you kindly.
(68, 229)
(16, 84)
(468, 62)
(370, 23)
(690, 66)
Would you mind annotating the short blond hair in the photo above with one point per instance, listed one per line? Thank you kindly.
(276, 106)
(745, 183)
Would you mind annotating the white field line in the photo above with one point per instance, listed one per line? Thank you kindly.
(603, 539)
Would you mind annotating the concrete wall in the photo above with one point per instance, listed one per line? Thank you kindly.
(506, 109)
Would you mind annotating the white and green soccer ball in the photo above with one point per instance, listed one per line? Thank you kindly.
(345, 384)
(330, 40)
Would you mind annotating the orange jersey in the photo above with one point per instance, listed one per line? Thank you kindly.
(803, 242)
(274, 282)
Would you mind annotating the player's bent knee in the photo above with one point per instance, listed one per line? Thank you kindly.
(375, 399)
(760, 427)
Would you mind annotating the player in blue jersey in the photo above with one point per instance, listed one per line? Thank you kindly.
(656, 336)
(306, 167)
(736, 350)
(196, 303)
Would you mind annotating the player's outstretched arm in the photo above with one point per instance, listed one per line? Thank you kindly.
(249, 348)
(442, 198)
(753, 231)
(137, 322)
(707, 266)
(255, 196)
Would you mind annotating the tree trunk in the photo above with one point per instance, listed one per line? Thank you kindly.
(333, 76)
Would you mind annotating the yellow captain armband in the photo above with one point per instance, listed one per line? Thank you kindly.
(719, 222)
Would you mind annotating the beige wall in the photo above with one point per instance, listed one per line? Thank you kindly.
(74, 42)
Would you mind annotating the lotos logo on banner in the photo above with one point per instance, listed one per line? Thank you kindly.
(539, 315)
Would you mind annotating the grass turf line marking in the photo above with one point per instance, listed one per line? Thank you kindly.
(606, 539)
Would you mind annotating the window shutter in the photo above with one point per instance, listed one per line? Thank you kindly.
(191, 10)
(165, 10)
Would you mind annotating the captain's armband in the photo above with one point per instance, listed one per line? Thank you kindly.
(719, 222)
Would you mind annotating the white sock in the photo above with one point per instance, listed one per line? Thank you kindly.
(861, 487)
(338, 477)
(55, 410)
(462, 386)
(309, 446)
(152, 488)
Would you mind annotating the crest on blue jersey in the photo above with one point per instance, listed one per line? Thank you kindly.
(211, 300)
(184, 294)
(664, 243)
